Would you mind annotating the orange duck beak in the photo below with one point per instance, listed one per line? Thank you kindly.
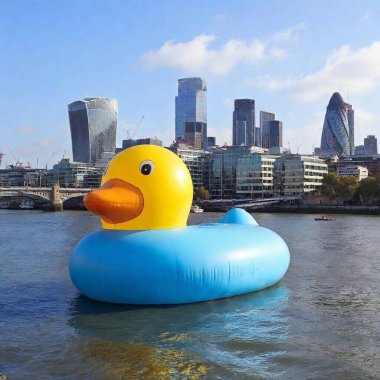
(117, 201)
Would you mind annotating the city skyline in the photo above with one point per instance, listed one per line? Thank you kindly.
(290, 66)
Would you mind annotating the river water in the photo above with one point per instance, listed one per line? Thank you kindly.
(322, 321)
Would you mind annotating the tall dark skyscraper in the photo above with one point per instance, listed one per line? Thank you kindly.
(243, 123)
(370, 144)
(93, 123)
(191, 107)
(265, 118)
(275, 134)
(338, 128)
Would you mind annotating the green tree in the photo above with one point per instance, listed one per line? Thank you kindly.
(369, 188)
(330, 184)
(336, 186)
(347, 187)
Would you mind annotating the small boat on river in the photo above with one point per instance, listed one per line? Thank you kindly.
(324, 218)
(196, 208)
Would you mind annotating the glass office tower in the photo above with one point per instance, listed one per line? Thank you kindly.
(191, 106)
(275, 134)
(338, 128)
(93, 123)
(243, 124)
(265, 119)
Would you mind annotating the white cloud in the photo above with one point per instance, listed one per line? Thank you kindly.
(290, 34)
(356, 71)
(197, 55)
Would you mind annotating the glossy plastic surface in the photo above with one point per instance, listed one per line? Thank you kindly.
(192, 264)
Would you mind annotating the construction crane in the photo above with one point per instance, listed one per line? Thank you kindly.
(17, 160)
(47, 162)
(131, 135)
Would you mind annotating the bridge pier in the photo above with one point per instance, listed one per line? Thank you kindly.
(55, 203)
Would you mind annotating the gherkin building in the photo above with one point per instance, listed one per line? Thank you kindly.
(338, 128)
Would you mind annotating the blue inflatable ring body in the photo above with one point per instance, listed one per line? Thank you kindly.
(179, 265)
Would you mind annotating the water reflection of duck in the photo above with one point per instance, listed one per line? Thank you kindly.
(145, 254)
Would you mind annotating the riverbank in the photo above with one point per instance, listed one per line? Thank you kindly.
(297, 208)
(321, 209)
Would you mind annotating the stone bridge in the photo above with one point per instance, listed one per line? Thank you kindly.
(51, 198)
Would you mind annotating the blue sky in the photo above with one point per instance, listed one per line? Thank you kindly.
(290, 56)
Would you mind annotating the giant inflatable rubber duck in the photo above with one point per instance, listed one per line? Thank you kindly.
(146, 254)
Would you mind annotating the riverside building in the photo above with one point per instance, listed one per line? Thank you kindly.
(191, 107)
(74, 174)
(254, 177)
(18, 175)
(295, 175)
(194, 159)
(357, 171)
(221, 165)
(93, 123)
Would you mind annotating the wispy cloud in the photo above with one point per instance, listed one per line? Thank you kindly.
(290, 34)
(198, 55)
(345, 69)
(365, 17)
(28, 129)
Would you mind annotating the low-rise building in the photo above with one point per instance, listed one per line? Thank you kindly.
(19, 175)
(74, 174)
(255, 176)
(360, 172)
(221, 164)
(194, 160)
(295, 175)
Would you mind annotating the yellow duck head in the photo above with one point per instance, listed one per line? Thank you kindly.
(145, 187)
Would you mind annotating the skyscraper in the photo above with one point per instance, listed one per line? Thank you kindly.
(275, 134)
(243, 123)
(191, 106)
(93, 123)
(338, 128)
(265, 118)
(370, 144)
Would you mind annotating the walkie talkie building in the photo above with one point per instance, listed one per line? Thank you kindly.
(93, 123)
(338, 128)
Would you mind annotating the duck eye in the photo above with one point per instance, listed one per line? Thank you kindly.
(146, 167)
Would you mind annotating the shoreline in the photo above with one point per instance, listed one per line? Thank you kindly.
(295, 209)
(353, 210)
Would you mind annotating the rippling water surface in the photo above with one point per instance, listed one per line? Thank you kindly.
(322, 321)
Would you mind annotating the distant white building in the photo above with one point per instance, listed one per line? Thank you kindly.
(360, 172)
